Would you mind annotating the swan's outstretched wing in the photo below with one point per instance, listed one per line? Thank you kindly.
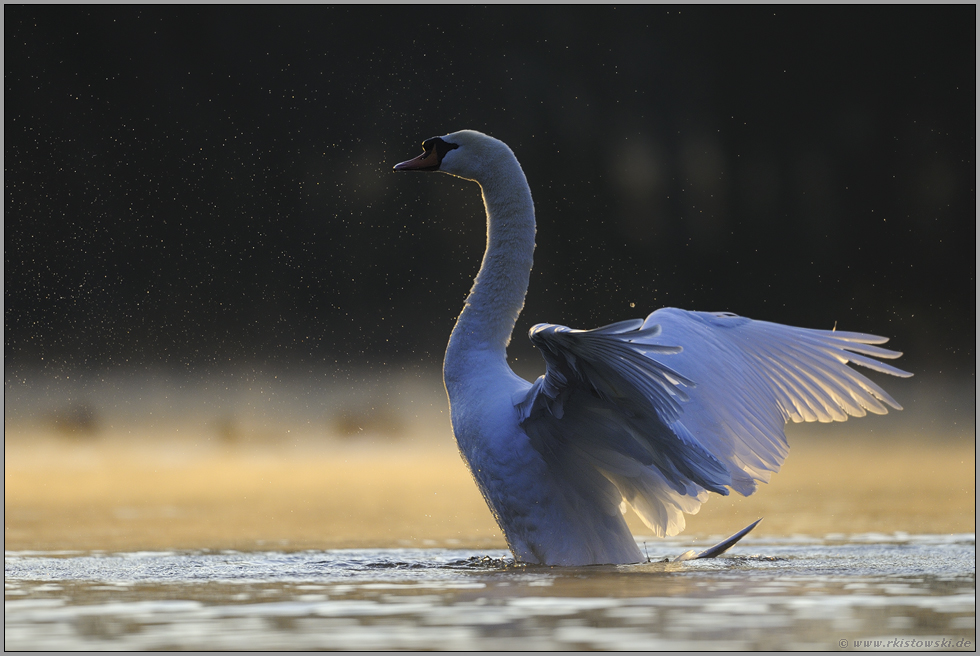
(685, 402)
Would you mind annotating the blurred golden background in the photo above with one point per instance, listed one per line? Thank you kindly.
(154, 463)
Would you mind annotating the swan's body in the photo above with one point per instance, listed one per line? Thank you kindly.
(651, 413)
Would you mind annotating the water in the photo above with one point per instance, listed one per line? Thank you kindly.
(799, 593)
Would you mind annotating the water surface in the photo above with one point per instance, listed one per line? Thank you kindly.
(905, 591)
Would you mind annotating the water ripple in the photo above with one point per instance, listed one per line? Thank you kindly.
(791, 593)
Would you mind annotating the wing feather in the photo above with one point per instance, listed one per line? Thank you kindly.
(681, 403)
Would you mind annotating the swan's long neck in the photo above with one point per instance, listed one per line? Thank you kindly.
(497, 296)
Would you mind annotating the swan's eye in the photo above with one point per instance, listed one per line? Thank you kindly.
(433, 150)
(443, 147)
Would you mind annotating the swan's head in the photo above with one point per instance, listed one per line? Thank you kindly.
(466, 154)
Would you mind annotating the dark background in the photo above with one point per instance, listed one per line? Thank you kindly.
(198, 188)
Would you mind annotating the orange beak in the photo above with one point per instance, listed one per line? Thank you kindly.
(424, 162)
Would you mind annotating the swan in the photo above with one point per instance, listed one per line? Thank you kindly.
(647, 413)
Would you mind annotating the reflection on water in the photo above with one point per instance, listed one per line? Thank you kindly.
(800, 593)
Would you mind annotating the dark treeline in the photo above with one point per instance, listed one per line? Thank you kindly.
(192, 187)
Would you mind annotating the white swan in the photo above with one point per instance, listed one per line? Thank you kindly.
(648, 413)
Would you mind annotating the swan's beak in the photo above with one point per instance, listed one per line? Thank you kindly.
(425, 162)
